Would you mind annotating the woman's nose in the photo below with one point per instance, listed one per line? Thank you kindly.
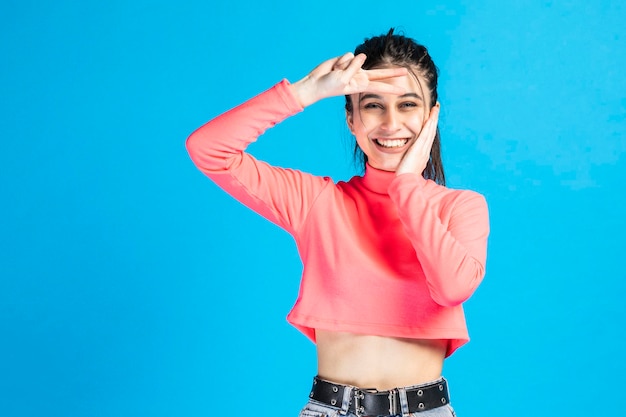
(391, 120)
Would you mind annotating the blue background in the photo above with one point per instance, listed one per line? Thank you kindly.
(130, 285)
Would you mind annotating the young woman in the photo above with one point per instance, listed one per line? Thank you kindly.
(390, 256)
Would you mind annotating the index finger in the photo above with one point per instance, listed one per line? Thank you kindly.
(382, 73)
(384, 88)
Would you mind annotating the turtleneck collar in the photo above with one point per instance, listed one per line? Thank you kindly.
(377, 180)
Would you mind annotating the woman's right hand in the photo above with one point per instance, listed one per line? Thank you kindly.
(343, 76)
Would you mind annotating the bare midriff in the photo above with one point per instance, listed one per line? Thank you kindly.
(378, 362)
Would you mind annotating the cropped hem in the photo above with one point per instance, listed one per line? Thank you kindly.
(456, 337)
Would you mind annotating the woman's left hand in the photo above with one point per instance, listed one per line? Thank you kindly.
(417, 156)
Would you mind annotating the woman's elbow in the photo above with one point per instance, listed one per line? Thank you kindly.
(202, 156)
(457, 291)
(450, 299)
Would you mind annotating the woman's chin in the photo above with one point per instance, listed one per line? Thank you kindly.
(390, 166)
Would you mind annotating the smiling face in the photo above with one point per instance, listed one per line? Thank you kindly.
(386, 125)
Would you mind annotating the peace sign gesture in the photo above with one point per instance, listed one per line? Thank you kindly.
(342, 76)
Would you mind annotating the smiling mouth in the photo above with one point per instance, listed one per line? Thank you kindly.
(391, 143)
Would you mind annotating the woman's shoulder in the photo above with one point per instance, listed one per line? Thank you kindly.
(455, 196)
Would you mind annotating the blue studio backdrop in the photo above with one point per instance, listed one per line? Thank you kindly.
(130, 285)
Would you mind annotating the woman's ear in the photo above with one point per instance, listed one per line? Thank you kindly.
(350, 121)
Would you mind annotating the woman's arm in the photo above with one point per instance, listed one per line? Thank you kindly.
(449, 235)
(281, 195)
(217, 148)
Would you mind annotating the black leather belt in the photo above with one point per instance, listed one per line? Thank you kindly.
(365, 402)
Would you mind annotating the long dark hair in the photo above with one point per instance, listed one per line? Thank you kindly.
(397, 50)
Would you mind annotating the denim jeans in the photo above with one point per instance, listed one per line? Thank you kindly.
(317, 409)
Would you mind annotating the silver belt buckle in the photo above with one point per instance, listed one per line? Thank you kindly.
(393, 404)
(358, 408)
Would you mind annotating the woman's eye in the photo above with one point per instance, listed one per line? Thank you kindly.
(372, 106)
(408, 104)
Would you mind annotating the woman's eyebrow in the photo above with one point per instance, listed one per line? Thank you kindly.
(414, 95)
(370, 95)
(377, 97)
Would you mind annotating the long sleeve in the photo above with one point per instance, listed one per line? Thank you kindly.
(448, 232)
(283, 196)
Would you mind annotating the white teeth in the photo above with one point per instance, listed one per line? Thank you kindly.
(391, 143)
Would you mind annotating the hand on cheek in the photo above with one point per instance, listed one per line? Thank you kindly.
(417, 156)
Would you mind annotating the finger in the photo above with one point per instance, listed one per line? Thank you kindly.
(384, 88)
(343, 60)
(432, 123)
(416, 157)
(433, 114)
(426, 137)
(354, 66)
(382, 73)
(325, 67)
(428, 133)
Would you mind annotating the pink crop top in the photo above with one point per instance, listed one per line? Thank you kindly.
(383, 254)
